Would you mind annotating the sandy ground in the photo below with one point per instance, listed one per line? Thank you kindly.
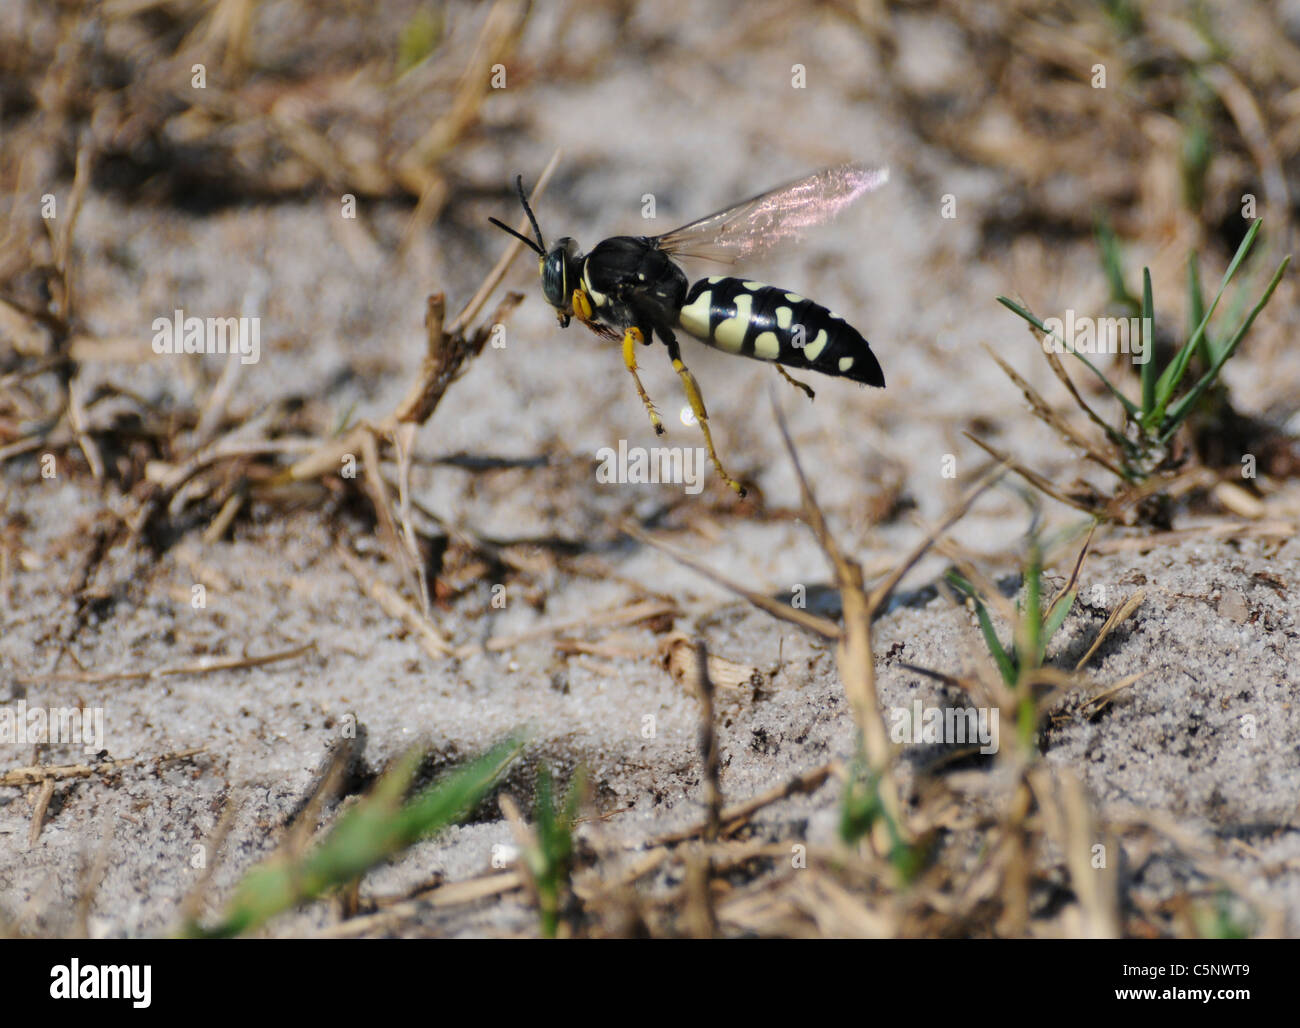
(342, 309)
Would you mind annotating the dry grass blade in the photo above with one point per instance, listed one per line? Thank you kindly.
(1102, 700)
(1058, 369)
(710, 754)
(525, 841)
(403, 438)
(396, 606)
(205, 666)
(22, 776)
(1048, 416)
(643, 610)
(92, 878)
(734, 816)
(1072, 583)
(1035, 479)
(78, 421)
(854, 657)
(699, 916)
(679, 656)
(881, 593)
(1241, 105)
(1173, 486)
(1276, 530)
(1117, 617)
(1062, 797)
(378, 493)
(513, 249)
(824, 627)
(450, 895)
(447, 348)
(324, 788)
(39, 808)
(191, 907)
(61, 237)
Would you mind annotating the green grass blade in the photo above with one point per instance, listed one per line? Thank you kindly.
(1006, 666)
(1112, 265)
(1031, 620)
(1180, 410)
(1127, 404)
(1173, 374)
(1148, 344)
(1196, 299)
(1056, 616)
(372, 831)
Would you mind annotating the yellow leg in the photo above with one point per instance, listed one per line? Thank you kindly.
(795, 382)
(702, 416)
(630, 338)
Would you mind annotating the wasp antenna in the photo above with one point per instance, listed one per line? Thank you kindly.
(518, 235)
(519, 185)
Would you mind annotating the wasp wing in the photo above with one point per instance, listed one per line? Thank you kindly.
(758, 224)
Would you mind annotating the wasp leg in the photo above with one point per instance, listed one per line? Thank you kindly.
(701, 415)
(581, 306)
(795, 382)
(630, 338)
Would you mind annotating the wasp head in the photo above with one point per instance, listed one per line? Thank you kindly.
(559, 266)
(560, 273)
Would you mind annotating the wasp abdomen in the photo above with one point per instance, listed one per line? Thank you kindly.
(769, 323)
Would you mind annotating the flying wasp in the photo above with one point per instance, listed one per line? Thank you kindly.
(631, 287)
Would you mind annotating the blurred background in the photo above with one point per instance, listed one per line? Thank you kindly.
(327, 165)
(219, 142)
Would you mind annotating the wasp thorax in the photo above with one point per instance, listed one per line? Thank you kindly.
(558, 272)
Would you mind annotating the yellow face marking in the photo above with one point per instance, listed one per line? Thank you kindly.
(814, 349)
(767, 346)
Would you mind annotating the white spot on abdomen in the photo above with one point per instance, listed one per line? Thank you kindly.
(845, 364)
(767, 346)
(730, 334)
(694, 318)
(814, 349)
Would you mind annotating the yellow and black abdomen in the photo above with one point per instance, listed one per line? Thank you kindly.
(756, 320)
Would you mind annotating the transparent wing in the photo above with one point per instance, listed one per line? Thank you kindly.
(758, 224)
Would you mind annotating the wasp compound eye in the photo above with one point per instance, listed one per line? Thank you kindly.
(555, 277)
